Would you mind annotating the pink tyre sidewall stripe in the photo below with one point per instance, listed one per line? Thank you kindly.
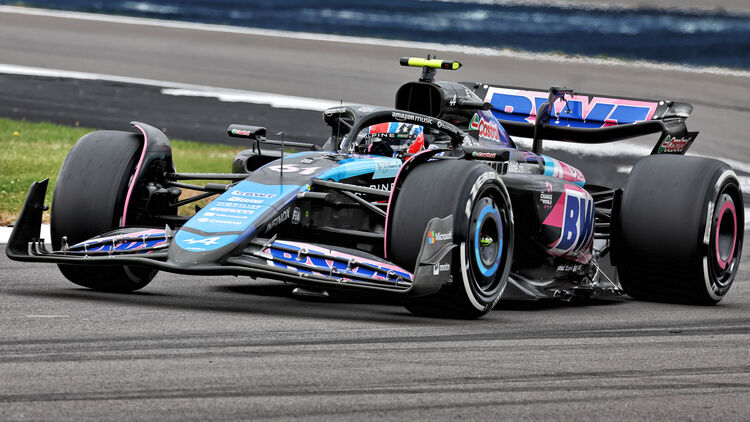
(135, 176)
(728, 206)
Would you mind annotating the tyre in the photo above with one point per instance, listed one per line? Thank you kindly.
(90, 198)
(680, 230)
(476, 197)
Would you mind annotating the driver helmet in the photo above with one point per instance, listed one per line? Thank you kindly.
(403, 138)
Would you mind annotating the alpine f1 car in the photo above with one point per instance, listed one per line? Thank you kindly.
(431, 200)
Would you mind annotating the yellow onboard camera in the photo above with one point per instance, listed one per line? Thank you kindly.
(431, 63)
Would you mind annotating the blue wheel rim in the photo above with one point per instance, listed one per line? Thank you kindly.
(488, 212)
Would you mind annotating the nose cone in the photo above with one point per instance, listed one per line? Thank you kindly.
(192, 249)
(228, 222)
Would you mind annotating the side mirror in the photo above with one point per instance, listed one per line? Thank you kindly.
(256, 133)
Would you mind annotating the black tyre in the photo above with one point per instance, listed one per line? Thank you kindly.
(89, 199)
(680, 230)
(482, 230)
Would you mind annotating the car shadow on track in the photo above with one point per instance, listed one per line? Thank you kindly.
(334, 296)
(544, 304)
(356, 298)
(272, 301)
(276, 299)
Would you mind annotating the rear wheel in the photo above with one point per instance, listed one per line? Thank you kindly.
(681, 230)
(482, 232)
(90, 198)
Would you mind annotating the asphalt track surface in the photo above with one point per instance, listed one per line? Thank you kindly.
(194, 348)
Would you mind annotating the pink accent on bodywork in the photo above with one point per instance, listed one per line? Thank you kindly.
(135, 176)
(730, 206)
(555, 217)
(571, 173)
(563, 171)
(390, 201)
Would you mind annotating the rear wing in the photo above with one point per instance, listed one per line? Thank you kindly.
(557, 114)
(563, 115)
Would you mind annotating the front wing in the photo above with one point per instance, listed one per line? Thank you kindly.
(302, 263)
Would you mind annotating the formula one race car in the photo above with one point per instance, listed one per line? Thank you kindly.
(431, 201)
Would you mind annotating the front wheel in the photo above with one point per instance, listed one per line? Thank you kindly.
(90, 198)
(476, 197)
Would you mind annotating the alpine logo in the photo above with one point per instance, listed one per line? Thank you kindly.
(487, 129)
(574, 215)
(208, 241)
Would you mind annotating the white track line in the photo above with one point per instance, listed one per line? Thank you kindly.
(5, 233)
(237, 96)
(174, 88)
(453, 48)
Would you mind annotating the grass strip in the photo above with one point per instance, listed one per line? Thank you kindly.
(34, 151)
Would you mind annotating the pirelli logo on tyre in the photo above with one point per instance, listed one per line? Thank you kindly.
(475, 189)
